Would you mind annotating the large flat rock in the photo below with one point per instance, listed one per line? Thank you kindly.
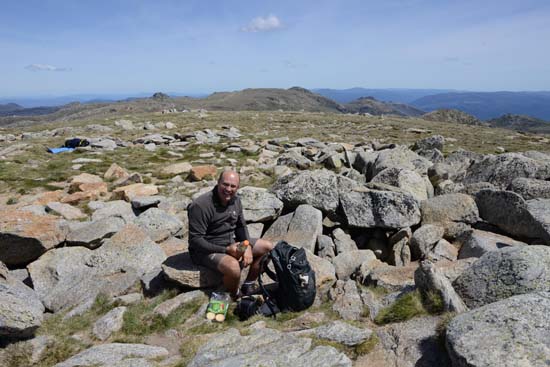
(25, 236)
(107, 355)
(259, 205)
(68, 276)
(380, 209)
(20, 309)
(181, 269)
(511, 213)
(475, 243)
(305, 226)
(265, 347)
(501, 169)
(500, 274)
(319, 188)
(449, 208)
(408, 344)
(509, 333)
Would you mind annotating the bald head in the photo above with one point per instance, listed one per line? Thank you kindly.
(228, 184)
(228, 172)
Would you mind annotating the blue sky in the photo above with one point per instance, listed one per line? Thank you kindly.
(122, 46)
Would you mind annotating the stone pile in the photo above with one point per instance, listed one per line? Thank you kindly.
(478, 225)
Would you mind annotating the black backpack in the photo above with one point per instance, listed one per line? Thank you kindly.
(294, 276)
(76, 142)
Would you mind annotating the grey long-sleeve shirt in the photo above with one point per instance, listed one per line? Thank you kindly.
(212, 226)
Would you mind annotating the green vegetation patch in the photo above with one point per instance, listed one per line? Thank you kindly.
(432, 301)
(352, 352)
(404, 308)
(367, 346)
(140, 321)
(56, 326)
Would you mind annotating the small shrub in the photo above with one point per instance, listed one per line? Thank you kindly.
(367, 346)
(404, 308)
(11, 201)
(17, 354)
(432, 301)
(60, 351)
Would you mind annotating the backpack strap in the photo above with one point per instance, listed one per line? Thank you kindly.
(264, 267)
(264, 262)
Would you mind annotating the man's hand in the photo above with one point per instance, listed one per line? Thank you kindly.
(233, 250)
(246, 257)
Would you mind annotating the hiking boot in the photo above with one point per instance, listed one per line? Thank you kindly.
(249, 289)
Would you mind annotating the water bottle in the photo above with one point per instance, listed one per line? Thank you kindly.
(243, 245)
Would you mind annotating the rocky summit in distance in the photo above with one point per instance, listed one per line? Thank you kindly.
(430, 246)
(369, 105)
(452, 116)
(520, 122)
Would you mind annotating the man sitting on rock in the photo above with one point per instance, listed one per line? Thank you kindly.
(216, 227)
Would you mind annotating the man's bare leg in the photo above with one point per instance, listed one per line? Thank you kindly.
(231, 270)
(261, 247)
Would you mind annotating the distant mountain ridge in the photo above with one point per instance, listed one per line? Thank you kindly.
(260, 99)
(488, 105)
(482, 105)
(374, 107)
(396, 95)
(521, 123)
(274, 99)
(9, 107)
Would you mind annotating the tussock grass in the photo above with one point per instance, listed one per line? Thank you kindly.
(64, 346)
(139, 320)
(410, 305)
(17, 355)
(367, 346)
(61, 350)
(404, 308)
(432, 301)
(55, 325)
(352, 352)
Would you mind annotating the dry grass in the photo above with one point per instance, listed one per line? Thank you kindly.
(36, 168)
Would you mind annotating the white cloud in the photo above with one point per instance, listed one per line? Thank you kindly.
(263, 24)
(44, 67)
(293, 65)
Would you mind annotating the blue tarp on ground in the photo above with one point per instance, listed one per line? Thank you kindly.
(60, 150)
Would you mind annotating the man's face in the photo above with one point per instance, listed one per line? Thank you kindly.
(228, 186)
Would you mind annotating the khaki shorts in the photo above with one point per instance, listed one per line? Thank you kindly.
(212, 261)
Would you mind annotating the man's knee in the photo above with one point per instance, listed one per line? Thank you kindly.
(229, 266)
(262, 247)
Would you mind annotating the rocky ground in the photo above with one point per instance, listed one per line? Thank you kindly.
(430, 244)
